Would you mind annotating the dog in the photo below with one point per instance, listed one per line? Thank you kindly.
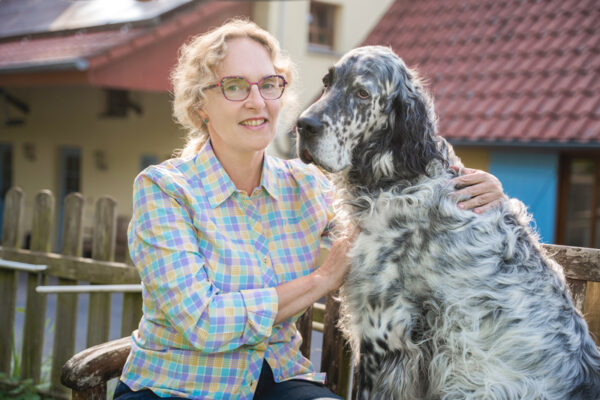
(439, 302)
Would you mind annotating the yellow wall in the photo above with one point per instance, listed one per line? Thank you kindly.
(474, 157)
(70, 116)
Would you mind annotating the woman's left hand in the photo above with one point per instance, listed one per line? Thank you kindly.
(482, 190)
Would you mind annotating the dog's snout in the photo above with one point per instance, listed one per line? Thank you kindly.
(309, 126)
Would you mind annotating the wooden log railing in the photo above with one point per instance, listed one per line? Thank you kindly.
(87, 372)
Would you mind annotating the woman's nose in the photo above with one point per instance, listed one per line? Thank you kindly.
(255, 98)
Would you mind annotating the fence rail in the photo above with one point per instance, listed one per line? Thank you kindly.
(100, 275)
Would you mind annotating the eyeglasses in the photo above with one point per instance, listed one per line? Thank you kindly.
(237, 88)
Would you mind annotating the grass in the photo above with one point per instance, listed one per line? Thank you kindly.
(12, 387)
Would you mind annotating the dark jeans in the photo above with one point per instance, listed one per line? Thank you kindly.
(295, 389)
(266, 389)
(123, 392)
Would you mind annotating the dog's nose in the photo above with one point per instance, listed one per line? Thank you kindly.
(308, 126)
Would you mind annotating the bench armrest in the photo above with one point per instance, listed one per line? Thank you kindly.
(93, 367)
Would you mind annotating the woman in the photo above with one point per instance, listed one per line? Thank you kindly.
(226, 239)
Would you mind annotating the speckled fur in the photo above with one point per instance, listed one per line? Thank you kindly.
(440, 303)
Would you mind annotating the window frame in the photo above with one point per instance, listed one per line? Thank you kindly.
(329, 31)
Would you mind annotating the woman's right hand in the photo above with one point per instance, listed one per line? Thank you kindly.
(337, 263)
(296, 295)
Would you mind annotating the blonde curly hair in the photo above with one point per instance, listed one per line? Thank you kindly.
(195, 70)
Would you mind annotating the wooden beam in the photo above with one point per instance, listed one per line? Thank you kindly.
(75, 268)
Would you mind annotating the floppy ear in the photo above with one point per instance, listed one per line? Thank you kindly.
(413, 136)
(405, 146)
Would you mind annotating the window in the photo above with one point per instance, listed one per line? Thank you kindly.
(118, 103)
(321, 25)
(148, 159)
(580, 202)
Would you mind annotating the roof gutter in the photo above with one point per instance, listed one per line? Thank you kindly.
(76, 64)
(520, 144)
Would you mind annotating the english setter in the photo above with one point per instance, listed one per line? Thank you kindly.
(440, 303)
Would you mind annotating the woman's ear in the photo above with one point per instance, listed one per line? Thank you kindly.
(203, 116)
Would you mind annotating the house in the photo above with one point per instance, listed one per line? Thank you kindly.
(516, 86)
(84, 87)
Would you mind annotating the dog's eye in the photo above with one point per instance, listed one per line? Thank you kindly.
(362, 94)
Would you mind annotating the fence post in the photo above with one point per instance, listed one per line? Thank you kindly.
(103, 249)
(66, 303)
(304, 326)
(35, 311)
(11, 238)
(336, 357)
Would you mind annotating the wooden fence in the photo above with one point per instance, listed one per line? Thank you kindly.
(70, 269)
(582, 268)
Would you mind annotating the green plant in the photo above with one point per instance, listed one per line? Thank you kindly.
(11, 388)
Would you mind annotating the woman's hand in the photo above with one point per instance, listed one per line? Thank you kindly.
(482, 190)
(336, 265)
(296, 295)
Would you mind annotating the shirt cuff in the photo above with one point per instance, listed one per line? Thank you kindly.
(261, 308)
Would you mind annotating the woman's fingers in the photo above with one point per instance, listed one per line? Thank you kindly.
(484, 208)
(481, 190)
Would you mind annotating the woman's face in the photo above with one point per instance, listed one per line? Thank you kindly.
(246, 126)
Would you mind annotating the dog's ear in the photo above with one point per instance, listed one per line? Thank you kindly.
(413, 136)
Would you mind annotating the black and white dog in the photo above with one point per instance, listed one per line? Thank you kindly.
(440, 303)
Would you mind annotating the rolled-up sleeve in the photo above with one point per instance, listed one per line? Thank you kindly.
(164, 246)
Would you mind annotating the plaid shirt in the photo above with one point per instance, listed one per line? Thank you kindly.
(209, 257)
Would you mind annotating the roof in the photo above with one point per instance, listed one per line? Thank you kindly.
(136, 49)
(504, 71)
(21, 17)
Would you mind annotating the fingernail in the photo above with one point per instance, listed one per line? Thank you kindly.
(461, 206)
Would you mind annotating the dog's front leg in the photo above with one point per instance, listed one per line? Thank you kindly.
(391, 375)
(393, 357)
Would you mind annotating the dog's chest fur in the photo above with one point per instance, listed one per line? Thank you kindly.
(394, 270)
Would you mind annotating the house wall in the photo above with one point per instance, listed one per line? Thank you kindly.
(70, 117)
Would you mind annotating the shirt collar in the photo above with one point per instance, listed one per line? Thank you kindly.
(218, 186)
(269, 177)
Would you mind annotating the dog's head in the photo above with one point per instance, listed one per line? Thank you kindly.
(373, 120)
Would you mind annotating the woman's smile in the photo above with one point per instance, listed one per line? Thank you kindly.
(254, 122)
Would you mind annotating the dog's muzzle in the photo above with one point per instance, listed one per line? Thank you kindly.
(308, 129)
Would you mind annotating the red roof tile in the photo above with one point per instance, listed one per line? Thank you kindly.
(504, 70)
